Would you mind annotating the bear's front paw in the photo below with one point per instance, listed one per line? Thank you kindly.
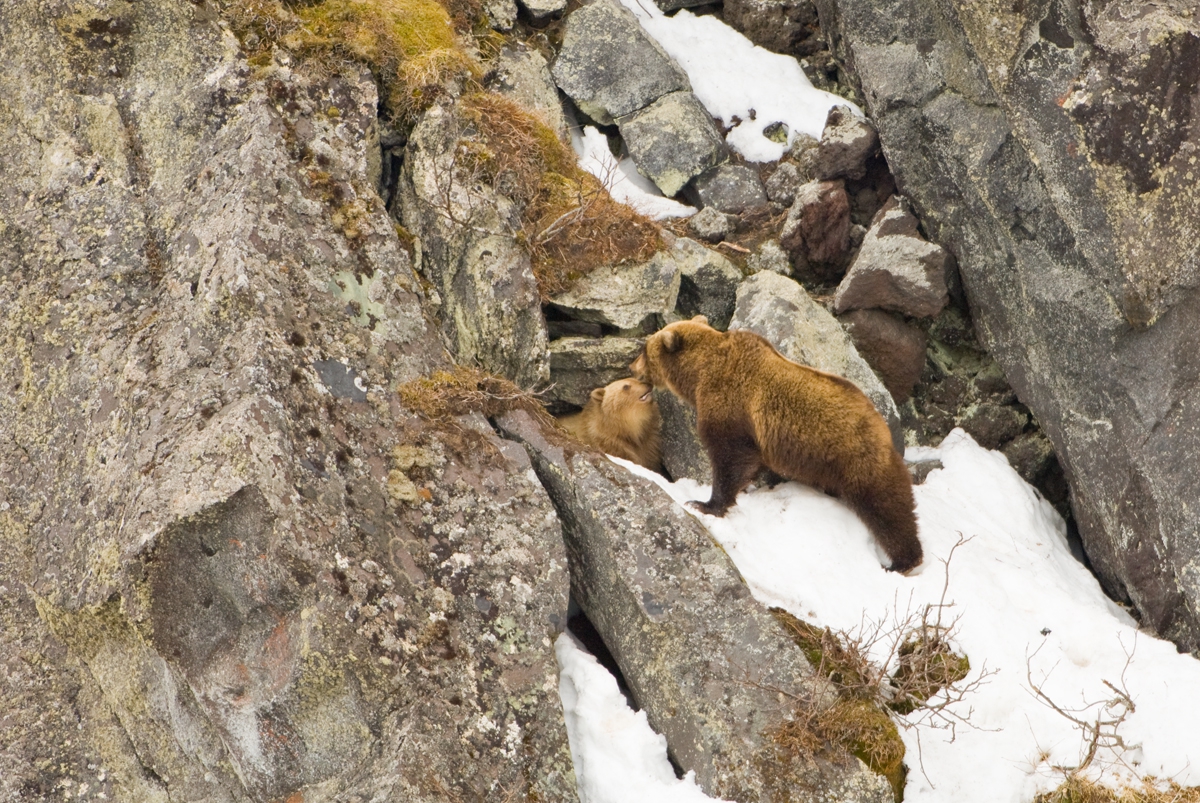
(705, 507)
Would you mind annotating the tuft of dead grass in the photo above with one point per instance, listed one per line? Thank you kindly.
(1076, 789)
(569, 222)
(460, 391)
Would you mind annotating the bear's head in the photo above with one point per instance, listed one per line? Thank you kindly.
(628, 407)
(665, 361)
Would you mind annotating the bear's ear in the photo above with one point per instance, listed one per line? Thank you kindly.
(671, 341)
(701, 319)
(598, 395)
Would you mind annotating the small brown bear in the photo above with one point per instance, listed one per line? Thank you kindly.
(755, 408)
(621, 419)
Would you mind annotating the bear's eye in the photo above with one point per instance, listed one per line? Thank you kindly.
(626, 386)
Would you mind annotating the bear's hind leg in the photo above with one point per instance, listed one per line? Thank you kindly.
(735, 462)
(889, 513)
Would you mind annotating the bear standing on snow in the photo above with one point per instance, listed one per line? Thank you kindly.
(621, 419)
(755, 408)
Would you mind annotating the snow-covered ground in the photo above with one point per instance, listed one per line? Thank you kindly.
(622, 180)
(1026, 609)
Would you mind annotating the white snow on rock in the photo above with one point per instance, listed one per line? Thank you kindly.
(618, 758)
(622, 180)
(733, 77)
(1026, 609)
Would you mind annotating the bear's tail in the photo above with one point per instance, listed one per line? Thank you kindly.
(889, 512)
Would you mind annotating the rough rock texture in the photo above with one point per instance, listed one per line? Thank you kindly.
(632, 298)
(769, 256)
(523, 75)
(683, 454)
(542, 12)
(609, 66)
(672, 5)
(223, 579)
(728, 188)
(847, 142)
(701, 656)
(487, 299)
(782, 185)
(783, 26)
(711, 226)
(1051, 147)
(895, 268)
(707, 285)
(501, 14)
(895, 349)
(672, 141)
(580, 364)
(780, 310)
(816, 234)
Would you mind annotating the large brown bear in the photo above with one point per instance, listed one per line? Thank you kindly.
(755, 408)
(621, 419)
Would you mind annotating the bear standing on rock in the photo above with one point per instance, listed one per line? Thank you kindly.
(621, 419)
(755, 408)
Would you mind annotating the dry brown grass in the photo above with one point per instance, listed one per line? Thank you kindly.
(569, 222)
(1081, 790)
(410, 46)
(459, 391)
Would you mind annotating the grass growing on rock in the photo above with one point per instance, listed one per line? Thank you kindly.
(1077, 789)
(569, 222)
(410, 46)
(459, 391)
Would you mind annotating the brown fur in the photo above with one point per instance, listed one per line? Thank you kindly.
(621, 419)
(755, 408)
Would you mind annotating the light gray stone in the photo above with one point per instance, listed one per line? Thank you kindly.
(580, 364)
(784, 181)
(728, 188)
(609, 66)
(672, 141)
(683, 455)
(780, 310)
(710, 225)
(702, 658)
(523, 75)
(490, 310)
(633, 298)
(708, 283)
(895, 268)
(770, 256)
(501, 14)
(847, 142)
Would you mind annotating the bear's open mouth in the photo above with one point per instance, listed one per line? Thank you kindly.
(645, 397)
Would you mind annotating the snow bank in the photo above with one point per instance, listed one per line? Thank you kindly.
(735, 78)
(1025, 606)
(622, 180)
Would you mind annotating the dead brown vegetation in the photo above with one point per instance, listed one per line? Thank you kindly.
(1082, 790)
(460, 391)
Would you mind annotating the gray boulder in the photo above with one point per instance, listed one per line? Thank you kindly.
(847, 142)
(580, 364)
(634, 298)
(1055, 166)
(769, 256)
(895, 268)
(711, 226)
(490, 310)
(542, 12)
(501, 14)
(727, 188)
(780, 310)
(672, 141)
(708, 283)
(222, 582)
(683, 455)
(783, 183)
(782, 26)
(609, 66)
(816, 234)
(893, 348)
(523, 75)
(701, 656)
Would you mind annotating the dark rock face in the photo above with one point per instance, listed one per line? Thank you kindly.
(707, 285)
(578, 365)
(1050, 148)
(816, 234)
(895, 349)
(701, 656)
(782, 26)
(728, 188)
(228, 582)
